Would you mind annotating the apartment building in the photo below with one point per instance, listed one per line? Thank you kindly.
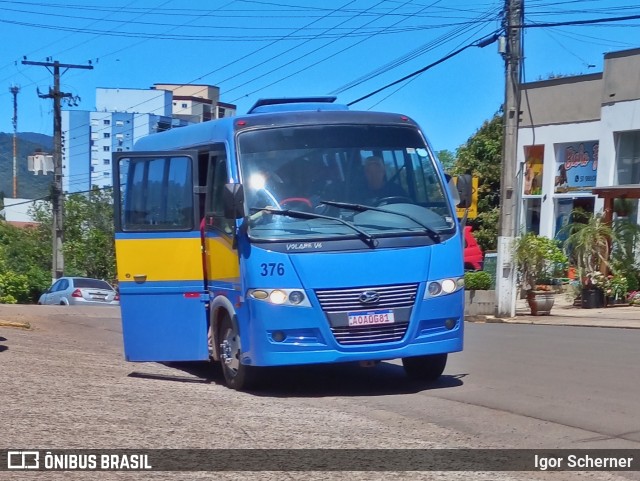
(121, 117)
(197, 103)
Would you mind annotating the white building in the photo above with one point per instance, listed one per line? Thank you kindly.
(18, 211)
(122, 116)
(577, 133)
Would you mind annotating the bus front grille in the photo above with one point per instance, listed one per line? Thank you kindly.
(370, 334)
(345, 300)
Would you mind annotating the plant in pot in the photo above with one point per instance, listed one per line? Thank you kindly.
(588, 245)
(617, 290)
(538, 259)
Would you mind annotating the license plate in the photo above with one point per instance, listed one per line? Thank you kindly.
(370, 318)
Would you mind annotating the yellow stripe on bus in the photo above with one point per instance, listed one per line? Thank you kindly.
(159, 259)
(222, 261)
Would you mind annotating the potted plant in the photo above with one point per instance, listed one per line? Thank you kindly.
(594, 285)
(617, 290)
(588, 245)
(538, 259)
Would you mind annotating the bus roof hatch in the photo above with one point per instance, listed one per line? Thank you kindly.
(295, 103)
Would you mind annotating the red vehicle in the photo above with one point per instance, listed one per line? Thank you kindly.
(473, 255)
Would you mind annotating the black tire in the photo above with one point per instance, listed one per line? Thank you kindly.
(425, 368)
(237, 376)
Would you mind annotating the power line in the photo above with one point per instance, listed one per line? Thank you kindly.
(478, 43)
(412, 54)
(578, 22)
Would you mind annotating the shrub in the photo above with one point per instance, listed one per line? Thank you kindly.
(13, 288)
(477, 280)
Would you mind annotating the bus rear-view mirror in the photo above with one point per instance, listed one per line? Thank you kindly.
(233, 201)
(465, 190)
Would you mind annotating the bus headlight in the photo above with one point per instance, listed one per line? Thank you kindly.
(443, 287)
(434, 288)
(279, 297)
(296, 297)
(448, 286)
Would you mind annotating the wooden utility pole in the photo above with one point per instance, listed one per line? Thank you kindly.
(509, 194)
(57, 269)
(14, 91)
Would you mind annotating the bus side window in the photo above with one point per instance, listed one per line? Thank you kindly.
(215, 188)
(159, 195)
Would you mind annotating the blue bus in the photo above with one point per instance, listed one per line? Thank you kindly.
(300, 233)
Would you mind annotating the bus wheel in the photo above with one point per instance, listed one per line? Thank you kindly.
(237, 375)
(425, 368)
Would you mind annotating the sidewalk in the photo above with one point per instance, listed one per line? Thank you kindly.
(564, 313)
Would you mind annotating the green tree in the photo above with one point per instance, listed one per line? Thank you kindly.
(481, 156)
(88, 234)
(23, 253)
(447, 159)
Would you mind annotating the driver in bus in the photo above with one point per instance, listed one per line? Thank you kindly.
(377, 187)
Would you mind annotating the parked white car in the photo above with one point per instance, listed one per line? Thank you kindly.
(69, 291)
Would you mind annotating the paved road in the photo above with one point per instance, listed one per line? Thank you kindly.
(65, 385)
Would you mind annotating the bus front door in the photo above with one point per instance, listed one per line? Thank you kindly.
(159, 257)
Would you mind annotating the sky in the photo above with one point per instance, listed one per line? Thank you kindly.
(255, 49)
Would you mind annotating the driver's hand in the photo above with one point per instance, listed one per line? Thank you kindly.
(261, 214)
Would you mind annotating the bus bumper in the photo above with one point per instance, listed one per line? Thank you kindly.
(280, 335)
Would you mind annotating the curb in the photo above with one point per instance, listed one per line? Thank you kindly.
(485, 319)
(19, 325)
(480, 318)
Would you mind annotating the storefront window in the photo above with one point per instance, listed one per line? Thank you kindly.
(628, 158)
(571, 210)
(532, 215)
(534, 161)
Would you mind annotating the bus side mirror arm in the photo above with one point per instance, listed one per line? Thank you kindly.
(233, 201)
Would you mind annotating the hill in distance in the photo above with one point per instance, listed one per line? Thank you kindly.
(30, 186)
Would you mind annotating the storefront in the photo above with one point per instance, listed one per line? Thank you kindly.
(578, 134)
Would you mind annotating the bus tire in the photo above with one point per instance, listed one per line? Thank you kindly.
(425, 368)
(237, 376)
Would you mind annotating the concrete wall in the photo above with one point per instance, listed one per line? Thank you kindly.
(621, 74)
(478, 303)
(563, 100)
(210, 92)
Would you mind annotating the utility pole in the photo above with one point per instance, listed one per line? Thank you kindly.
(509, 195)
(57, 269)
(14, 91)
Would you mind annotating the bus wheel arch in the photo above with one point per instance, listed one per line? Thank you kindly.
(237, 375)
(220, 307)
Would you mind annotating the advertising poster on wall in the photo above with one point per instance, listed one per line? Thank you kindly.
(534, 161)
(577, 167)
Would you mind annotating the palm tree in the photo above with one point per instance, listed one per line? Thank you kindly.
(589, 243)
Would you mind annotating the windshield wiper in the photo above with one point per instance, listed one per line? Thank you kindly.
(298, 214)
(433, 234)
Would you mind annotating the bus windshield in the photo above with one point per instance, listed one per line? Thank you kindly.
(381, 179)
